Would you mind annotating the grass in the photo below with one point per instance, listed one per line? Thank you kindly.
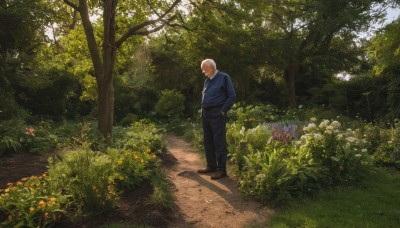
(375, 203)
(162, 195)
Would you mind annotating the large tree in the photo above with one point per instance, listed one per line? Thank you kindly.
(147, 16)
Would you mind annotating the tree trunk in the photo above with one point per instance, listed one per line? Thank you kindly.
(105, 84)
(106, 108)
(290, 78)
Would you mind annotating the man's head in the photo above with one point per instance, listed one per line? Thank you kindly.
(208, 67)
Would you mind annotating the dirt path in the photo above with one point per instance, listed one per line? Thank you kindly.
(205, 202)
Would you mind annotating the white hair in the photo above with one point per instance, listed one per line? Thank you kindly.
(209, 63)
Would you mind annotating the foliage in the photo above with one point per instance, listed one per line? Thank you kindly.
(82, 182)
(129, 119)
(140, 136)
(388, 151)
(132, 167)
(171, 104)
(31, 202)
(16, 136)
(281, 160)
(252, 115)
(86, 176)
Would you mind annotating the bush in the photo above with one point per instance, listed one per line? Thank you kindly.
(388, 152)
(132, 167)
(32, 203)
(170, 104)
(142, 136)
(16, 136)
(88, 178)
(129, 119)
(278, 161)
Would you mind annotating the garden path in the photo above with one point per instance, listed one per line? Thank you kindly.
(204, 202)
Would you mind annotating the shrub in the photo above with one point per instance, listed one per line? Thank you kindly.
(170, 104)
(16, 136)
(325, 155)
(32, 203)
(132, 167)
(140, 136)
(129, 119)
(388, 152)
(86, 176)
(37, 140)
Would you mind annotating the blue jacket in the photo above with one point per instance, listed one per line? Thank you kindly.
(219, 92)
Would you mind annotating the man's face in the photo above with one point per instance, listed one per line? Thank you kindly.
(207, 71)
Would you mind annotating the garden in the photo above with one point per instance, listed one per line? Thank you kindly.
(91, 91)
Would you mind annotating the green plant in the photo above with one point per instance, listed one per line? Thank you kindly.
(129, 119)
(162, 195)
(388, 152)
(170, 104)
(140, 136)
(8, 143)
(37, 140)
(86, 176)
(32, 203)
(132, 167)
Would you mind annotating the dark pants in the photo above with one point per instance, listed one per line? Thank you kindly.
(214, 129)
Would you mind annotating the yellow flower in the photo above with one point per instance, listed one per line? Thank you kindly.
(9, 184)
(148, 150)
(31, 209)
(42, 203)
(19, 183)
(122, 178)
(119, 162)
(24, 179)
(154, 156)
(53, 199)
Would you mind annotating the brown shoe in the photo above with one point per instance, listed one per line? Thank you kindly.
(218, 175)
(207, 170)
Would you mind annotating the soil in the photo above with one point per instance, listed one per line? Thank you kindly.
(200, 201)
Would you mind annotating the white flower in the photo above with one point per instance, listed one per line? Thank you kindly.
(330, 127)
(351, 139)
(364, 150)
(335, 124)
(312, 126)
(313, 119)
(324, 124)
(329, 132)
(357, 155)
(318, 137)
(339, 136)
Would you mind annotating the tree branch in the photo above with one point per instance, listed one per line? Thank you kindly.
(71, 4)
(140, 28)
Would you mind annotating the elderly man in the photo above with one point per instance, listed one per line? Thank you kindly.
(218, 97)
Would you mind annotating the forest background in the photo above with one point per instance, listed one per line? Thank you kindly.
(286, 53)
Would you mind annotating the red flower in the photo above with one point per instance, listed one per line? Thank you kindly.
(30, 131)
